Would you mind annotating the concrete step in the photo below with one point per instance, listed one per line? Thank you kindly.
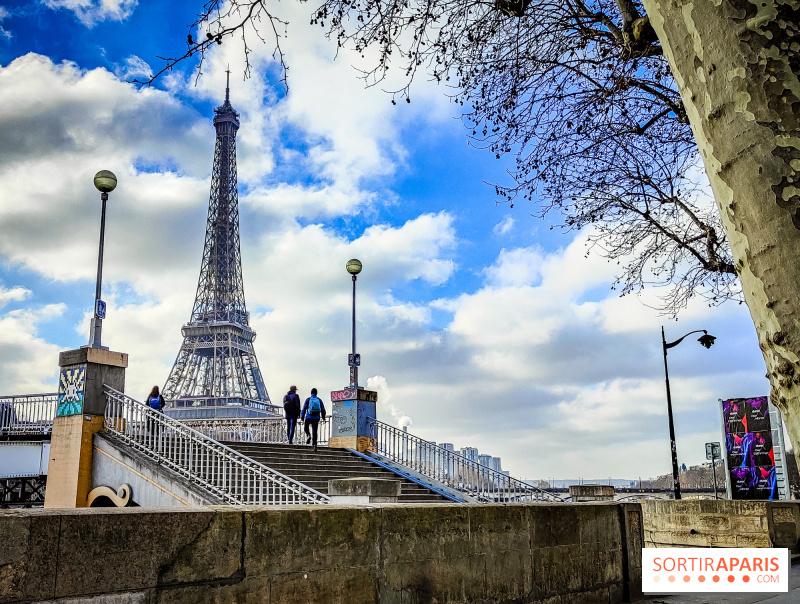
(315, 468)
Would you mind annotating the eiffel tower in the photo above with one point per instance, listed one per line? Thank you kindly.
(216, 373)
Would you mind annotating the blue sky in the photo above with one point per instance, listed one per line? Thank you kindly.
(477, 324)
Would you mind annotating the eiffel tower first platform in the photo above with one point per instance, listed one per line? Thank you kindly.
(216, 373)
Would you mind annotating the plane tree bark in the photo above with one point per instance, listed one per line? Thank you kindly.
(736, 63)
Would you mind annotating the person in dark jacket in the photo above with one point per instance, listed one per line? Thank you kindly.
(313, 410)
(291, 406)
(156, 402)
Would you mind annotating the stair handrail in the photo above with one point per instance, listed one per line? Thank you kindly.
(233, 477)
(25, 414)
(451, 468)
(254, 429)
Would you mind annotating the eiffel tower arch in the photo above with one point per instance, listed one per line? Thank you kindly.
(216, 373)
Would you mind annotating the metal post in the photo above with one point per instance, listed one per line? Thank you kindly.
(97, 323)
(676, 485)
(714, 471)
(354, 368)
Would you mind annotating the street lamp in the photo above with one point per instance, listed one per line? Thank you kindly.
(354, 360)
(105, 182)
(707, 341)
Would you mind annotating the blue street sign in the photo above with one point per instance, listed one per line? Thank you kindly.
(100, 309)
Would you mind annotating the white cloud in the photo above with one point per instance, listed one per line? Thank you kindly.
(4, 14)
(92, 12)
(29, 363)
(15, 293)
(504, 226)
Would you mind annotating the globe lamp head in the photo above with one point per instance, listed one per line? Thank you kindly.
(105, 181)
(354, 266)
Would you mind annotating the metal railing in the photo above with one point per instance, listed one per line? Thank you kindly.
(27, 414)
(271, 430)
(452, 469)
(224, 472)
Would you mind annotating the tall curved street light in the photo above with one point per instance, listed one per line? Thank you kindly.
(354, 360)
(707, 341)
(105, 182)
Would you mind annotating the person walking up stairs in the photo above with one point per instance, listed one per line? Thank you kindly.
(313, 410)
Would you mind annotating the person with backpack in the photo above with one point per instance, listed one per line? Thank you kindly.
(156, 402)
(313, 409)
(291, 406)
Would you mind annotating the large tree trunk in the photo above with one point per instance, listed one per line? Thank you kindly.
(737, 63)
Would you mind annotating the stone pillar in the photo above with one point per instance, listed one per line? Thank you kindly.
(363, 490)
(591, 492)
(350, 419)
(81, 406)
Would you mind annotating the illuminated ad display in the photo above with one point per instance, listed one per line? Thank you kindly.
(749, 447)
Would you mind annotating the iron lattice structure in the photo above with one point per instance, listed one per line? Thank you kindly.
(216, 372)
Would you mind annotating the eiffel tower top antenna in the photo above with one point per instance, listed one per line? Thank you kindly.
(228, 85)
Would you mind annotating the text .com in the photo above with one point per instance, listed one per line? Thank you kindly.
(668, 570)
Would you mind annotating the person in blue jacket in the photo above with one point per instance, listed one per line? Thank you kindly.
(313, 410)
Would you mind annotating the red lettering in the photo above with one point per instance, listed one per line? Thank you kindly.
(774, 563)
(757, 564)
(721, 565)
(657, 563)
(709, 564)
(745, 564)
(671, 562)
(682, 564)
(734, 563)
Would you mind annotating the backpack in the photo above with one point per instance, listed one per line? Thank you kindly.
(314, 405)
(155, 402)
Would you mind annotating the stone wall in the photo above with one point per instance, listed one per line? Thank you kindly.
(389, 554)
(721, 523)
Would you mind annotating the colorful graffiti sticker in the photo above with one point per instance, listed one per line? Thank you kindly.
(71, 385)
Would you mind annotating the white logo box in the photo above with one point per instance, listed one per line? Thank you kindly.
(721, 569)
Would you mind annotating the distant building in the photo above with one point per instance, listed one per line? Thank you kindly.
(495, 465)
(485, 460)
(448, 446)
(469, 453)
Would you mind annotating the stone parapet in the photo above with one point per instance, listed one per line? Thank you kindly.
(363, 490)
(323, 554)
(722, 523)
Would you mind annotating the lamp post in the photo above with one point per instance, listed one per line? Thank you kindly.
(105, 182)
(707, 341)
(354, 360)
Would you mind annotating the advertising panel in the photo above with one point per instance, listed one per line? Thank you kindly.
(750, 451)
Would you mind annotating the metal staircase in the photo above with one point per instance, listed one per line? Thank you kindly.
(234, 477)
(315, 468)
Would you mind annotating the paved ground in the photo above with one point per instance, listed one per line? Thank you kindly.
(793, 597)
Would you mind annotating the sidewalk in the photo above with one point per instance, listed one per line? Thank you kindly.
(793, 597)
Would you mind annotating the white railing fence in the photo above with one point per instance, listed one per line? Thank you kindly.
(452, 468)
(230, 475)
(27, 414)
(267, 430)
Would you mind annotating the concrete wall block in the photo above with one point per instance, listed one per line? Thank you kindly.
(250, 590)
(715, 522)
(423, 532)
(453, 579)
(503, 528)
(508, 575)
(341, 585)
(127, 550)
(28, 555)
(761, 540)
(746, 524)
(309, 538)
(552, 525)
